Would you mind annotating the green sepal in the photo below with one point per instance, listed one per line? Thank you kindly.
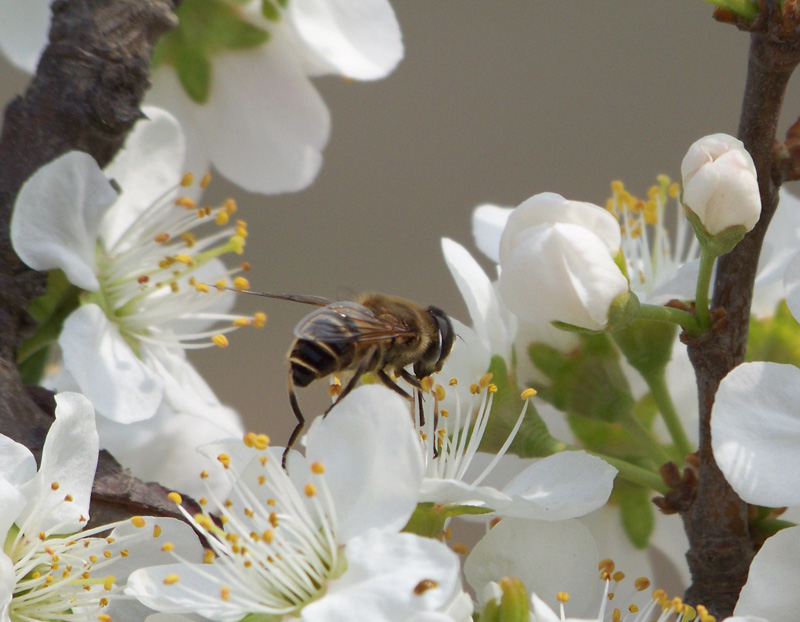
(262, 617)
(49, 310)
(514, 605)
(748, 9)
(532, 439)
(770, 526)
(270, 11)
(646, 345)
(775, 339)
(621, 312)
(636, 510)
(715, 245)
(430, 519)
(205, 28)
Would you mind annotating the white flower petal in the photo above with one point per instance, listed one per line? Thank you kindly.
(17, 464)
(163, 448)
(450, 491)
(150, 163)
(57, 215)
(483, 305)
(373, 460)
(69, 459)
(359, 39)
(12, 502)
(23, 31)
(564, 485)
(563, 273)
(8, 581)
(773, 585)
(558, 556)
(105, 368)
(755, 432)
(269, 139)
(791, 285)
(383, 570)
(488, 223)
(198, 589)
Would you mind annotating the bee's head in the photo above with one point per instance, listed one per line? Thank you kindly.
(439, 349)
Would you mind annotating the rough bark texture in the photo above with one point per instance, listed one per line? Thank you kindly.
(85, 95)
(722, 546)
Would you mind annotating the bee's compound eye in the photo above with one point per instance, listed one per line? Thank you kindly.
(447, 335)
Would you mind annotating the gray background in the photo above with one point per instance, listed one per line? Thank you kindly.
(495, 101)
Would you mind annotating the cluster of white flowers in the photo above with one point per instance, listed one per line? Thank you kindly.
(356, 527)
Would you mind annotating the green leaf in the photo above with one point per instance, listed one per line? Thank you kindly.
(748, 9)
(646, 345)
(638, 516)
(270, 11)
(50, 310)
(533, 439)
(205, 28)
(776, 339)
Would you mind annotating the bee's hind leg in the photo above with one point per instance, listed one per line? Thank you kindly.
(366, 363)
(301, 422)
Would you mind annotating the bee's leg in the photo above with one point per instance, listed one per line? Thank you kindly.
(301, 422)
(366, 363)
(414, 382)
(387, 380)
(435, 426)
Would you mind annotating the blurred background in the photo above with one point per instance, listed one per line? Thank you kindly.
(494, 102)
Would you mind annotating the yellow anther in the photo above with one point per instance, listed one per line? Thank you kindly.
(224, 459)
(310, 490)
(617, 187)
(175, 498)
(187, 180)
(641, 584)
(259, 319)
(138, 522)
(108, 582)
(273, 519)
(249, 439)
(453, 382)
(204, 474)
(103, 602)
(54, 486)
(171, 579)
(167, 547)
(606, 565)
(240, 322)
(616, 616)
(205, 180)
(439, 392)
(474, 389)
(660, 596)
(186, 202)
(562, 597)
(104, 617)
(238, 244)
(241, 232)
(528, 393)
(704, 615)
(241, 282)
(225, 594)
(444, 412)
(202, 287)
(261, 442)
(335, 390)
(230, 206)
(161, 238)
(427, 384)
(220, 340)
(268, 536)
(317, 468)
(485, 379)
(185, 259)
(208, 557)
(68, 498)
(633, 608)
(618, 576)
(492, 388)
(460, 548)
(674, 190)
(222, 283)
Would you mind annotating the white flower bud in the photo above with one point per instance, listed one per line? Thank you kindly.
(720, 185)
(557, 262)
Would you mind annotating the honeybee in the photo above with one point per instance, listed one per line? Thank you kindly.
(375, 333)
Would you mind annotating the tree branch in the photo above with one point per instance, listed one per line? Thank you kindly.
(717, 522)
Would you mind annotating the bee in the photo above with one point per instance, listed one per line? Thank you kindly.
(375, 333)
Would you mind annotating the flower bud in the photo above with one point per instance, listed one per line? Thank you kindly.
(720, 185)
(558, 262)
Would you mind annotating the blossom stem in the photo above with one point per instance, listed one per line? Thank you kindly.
(703, 286)
(657, 382)
(659, 313)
